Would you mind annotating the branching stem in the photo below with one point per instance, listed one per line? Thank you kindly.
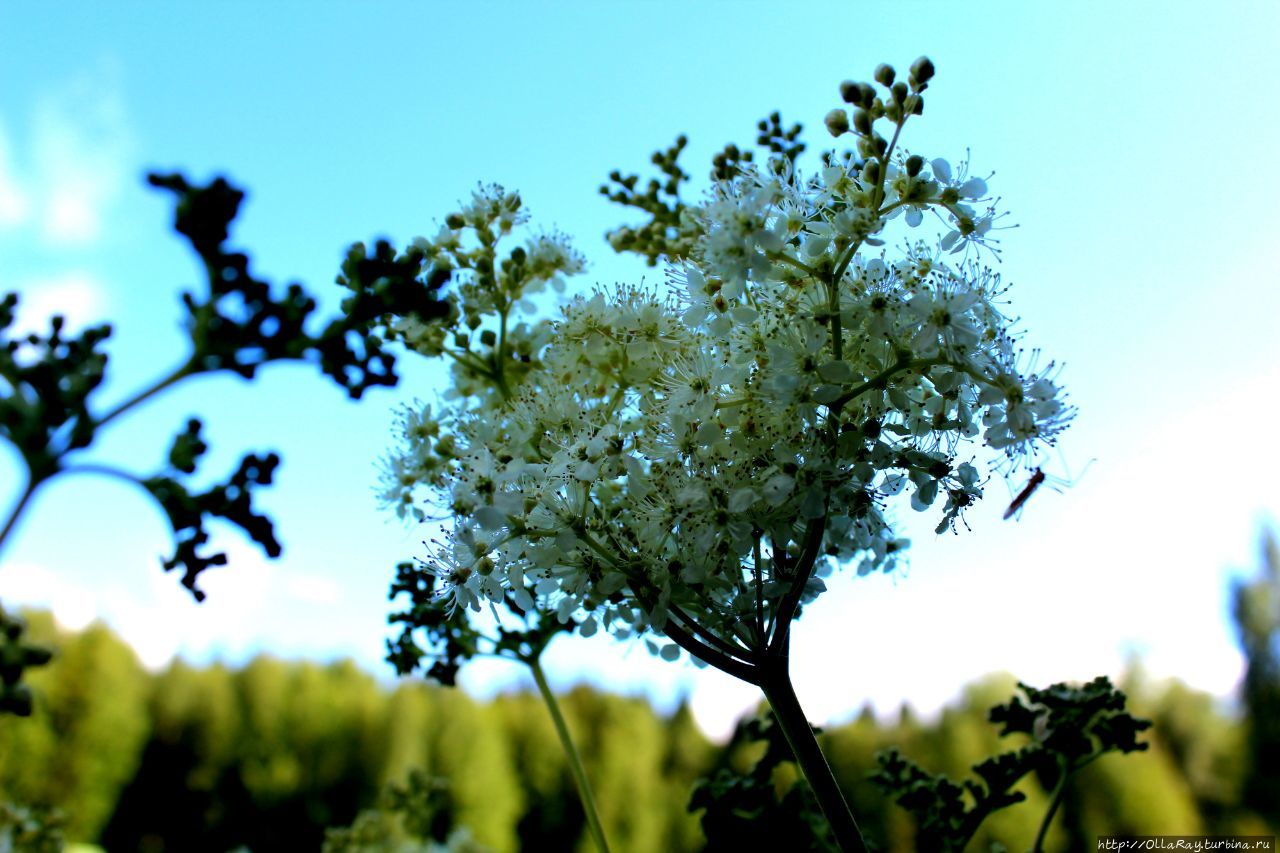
(188, 369)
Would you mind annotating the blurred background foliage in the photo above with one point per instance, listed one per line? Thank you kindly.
(270, 755)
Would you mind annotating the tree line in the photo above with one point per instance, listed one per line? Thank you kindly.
(270, 755)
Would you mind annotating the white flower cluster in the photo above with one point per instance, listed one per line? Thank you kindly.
(689, 462)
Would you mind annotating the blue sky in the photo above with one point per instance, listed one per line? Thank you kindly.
(1133, 143)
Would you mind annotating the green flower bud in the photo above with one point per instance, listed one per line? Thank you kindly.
(884, 74)
(454, 221)
(914, 164)
(837, 122)
(862, 122)
(899, 93)
(849, 92)
(922, 71)
(488, 338)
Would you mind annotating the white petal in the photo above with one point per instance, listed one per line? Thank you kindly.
(973, 188)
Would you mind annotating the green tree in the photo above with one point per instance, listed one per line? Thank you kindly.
(1257, 617)
(405, 737)
(553, 818)
(1206, 746)
(688, 756)
(82, 747)
(624, 748)
(186, 793)
(470, 749)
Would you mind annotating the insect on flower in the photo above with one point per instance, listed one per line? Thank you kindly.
(1037, 477)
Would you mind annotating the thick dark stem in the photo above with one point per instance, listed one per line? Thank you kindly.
(776, 684)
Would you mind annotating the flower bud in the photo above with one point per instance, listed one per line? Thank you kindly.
(914, 164)
(837, 122)
(488, 338)
(884, 74)
(922, 70)
(862, 122)
(899, 93)
(454, 221)
(849, 92)
(871, 172)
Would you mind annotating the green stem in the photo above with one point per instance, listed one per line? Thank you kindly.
(571, 752)
(777, 688)
(1054, 802)
(104, 471)
(138, 399)
(881, 379)
(19, 507)
(795, 262)
(173, 378)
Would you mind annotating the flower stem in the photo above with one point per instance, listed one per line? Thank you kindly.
(571, 752)
(777, 688)
(1054, 802)
(16, 512)
(173, 378)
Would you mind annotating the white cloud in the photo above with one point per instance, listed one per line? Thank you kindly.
(78, 159)
(77, 295)
(31, 585)
(154, 613)
(163, 621)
